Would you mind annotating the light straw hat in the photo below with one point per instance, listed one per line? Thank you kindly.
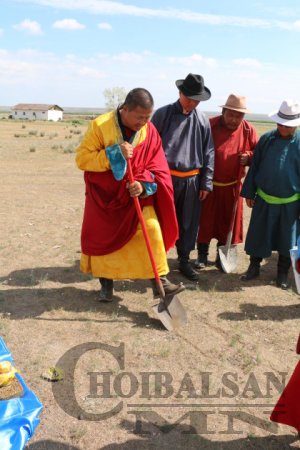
(236, 103)
(288, 114)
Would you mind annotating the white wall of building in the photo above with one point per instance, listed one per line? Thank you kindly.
(55, 115)
(52, 114)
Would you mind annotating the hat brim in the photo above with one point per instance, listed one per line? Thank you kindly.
(287, 123)
(202, 96)
(241, 110)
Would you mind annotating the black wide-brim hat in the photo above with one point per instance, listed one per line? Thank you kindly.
(193, 87)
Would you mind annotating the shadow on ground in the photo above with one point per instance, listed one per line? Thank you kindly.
(37, 275)
(31, 303)
(71, 274)
(209, 279)
(214, 279)
(250, 311)
(179, 441)
(31, 299)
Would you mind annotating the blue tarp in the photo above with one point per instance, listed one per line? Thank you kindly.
(18, 416)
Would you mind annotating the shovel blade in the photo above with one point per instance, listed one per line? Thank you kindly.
(171, 313)
(228, 258)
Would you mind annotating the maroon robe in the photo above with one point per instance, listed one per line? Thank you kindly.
(110, 218)
(217, 208)
(287, 409)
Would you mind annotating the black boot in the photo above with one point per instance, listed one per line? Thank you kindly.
(169, 288)
(253, 269)
(106, 292)
(201, 261)
(187, 269)
(283, 265)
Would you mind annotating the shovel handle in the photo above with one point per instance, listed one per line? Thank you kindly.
(236, 200)
(145, 232)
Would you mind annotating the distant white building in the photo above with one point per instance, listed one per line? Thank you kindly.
(37, 112)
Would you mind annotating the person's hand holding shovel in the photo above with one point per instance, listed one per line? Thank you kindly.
(250, 202)
(127, 150)
(136, 188)
(244, 159)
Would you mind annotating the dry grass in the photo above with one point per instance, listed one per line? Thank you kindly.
(47, 307)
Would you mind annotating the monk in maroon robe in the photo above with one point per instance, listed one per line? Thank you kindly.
(234, 140)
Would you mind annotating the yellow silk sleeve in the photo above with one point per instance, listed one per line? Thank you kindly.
(90, 155)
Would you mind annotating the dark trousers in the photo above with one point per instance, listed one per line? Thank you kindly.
(283, 264)
(187, 204)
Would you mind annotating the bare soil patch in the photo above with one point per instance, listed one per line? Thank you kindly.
(222, 373)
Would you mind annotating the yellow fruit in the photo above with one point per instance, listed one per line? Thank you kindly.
(8, 376)
(5, 367)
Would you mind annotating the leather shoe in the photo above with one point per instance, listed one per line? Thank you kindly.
(282, 281)
(187, 270)
(252, 272)
(170, 289)
(201, 262)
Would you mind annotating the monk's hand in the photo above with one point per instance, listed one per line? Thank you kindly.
(244, 159)
(250, 202)
(127, 150)
(135, 189)
(203, 195)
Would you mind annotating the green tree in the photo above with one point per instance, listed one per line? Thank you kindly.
(114, 96)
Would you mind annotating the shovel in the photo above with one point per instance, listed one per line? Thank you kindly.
(169, 310)
(228, 252)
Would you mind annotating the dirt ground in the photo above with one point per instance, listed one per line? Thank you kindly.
(211, 386)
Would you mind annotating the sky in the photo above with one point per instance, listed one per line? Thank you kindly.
(67, 52)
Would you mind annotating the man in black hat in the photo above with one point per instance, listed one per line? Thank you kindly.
(188, 146)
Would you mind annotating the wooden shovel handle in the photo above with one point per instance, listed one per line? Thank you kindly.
(145, 232)
(236, 200)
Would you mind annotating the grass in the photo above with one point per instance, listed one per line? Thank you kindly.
(69, 148)
(77, 433)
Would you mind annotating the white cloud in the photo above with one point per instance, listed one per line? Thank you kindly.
(1, 31)
(291, 26)
(162, 76)
(35, 77)
(192, 61)
(247, 62)
(296, 25)
(128, 57)
(30, 26)
(68, 24)
(286, 10)
(35, 54)
(90, 72)
(13, 69)
(105, 26)
(102, 55)
(118, 8)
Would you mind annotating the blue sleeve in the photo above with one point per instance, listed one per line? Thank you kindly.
(117, 161)
(150, 188)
